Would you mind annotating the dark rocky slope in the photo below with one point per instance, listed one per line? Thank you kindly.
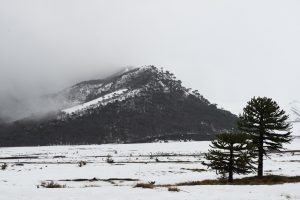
(140, 105)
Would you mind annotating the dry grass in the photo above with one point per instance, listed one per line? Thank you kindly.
(266, 180)
(52, 185)
(145, 185)
(91, 186)
(173, 189)
(194, 170)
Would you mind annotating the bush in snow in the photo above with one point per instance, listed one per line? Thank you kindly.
(4, 166)
(109, 159)
(173, 189)
(52, 185)
(231, 153)
(82, 163)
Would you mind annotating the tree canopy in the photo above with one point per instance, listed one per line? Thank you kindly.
(231, 153)
(267, 125)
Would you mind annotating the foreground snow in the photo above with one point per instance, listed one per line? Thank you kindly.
(164, 163)
(279, 192)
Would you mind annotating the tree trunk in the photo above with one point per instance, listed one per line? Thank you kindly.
(260, 156)
(230, 177)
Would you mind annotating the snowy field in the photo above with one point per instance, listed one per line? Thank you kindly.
(162, 163)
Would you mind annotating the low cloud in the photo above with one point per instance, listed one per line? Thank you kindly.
(230, 51)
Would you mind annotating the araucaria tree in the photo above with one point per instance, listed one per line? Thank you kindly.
(267, 125)
(231, 153)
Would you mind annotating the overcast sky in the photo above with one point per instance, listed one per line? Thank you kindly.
(229, 50)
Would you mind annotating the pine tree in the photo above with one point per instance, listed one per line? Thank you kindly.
(231, 153)
(267, 125)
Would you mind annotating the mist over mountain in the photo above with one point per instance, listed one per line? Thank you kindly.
(293, 109)
(32, 92)
(44, 49)
(135, 105)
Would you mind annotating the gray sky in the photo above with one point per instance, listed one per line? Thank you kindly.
(229, 50)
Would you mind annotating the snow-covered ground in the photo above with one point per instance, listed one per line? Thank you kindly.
(164, 163)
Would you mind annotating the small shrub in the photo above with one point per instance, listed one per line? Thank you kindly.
(173, 189)
(149, 185)
(52, 185)
(82, 163)
(151, 156)
(109, 159)
(287, 196)
(4, 166)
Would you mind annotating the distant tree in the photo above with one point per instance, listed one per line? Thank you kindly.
(267, 125)
(231, 153)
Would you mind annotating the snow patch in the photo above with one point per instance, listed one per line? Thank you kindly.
(106, 98)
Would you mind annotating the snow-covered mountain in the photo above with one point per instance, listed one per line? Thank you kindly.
(118, 87)
(136, 105)
(293, 110)
(85, 91)
(90, 94)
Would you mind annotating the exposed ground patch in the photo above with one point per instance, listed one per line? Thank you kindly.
(266, 180)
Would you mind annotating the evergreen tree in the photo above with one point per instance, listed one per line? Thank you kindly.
(267, 125)
(231, 153)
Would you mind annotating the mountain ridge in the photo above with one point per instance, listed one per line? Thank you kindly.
(294, 116)
(139, 105)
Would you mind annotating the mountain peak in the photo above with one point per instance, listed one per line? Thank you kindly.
(142, 104)
(124, 84)
(294, 111)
